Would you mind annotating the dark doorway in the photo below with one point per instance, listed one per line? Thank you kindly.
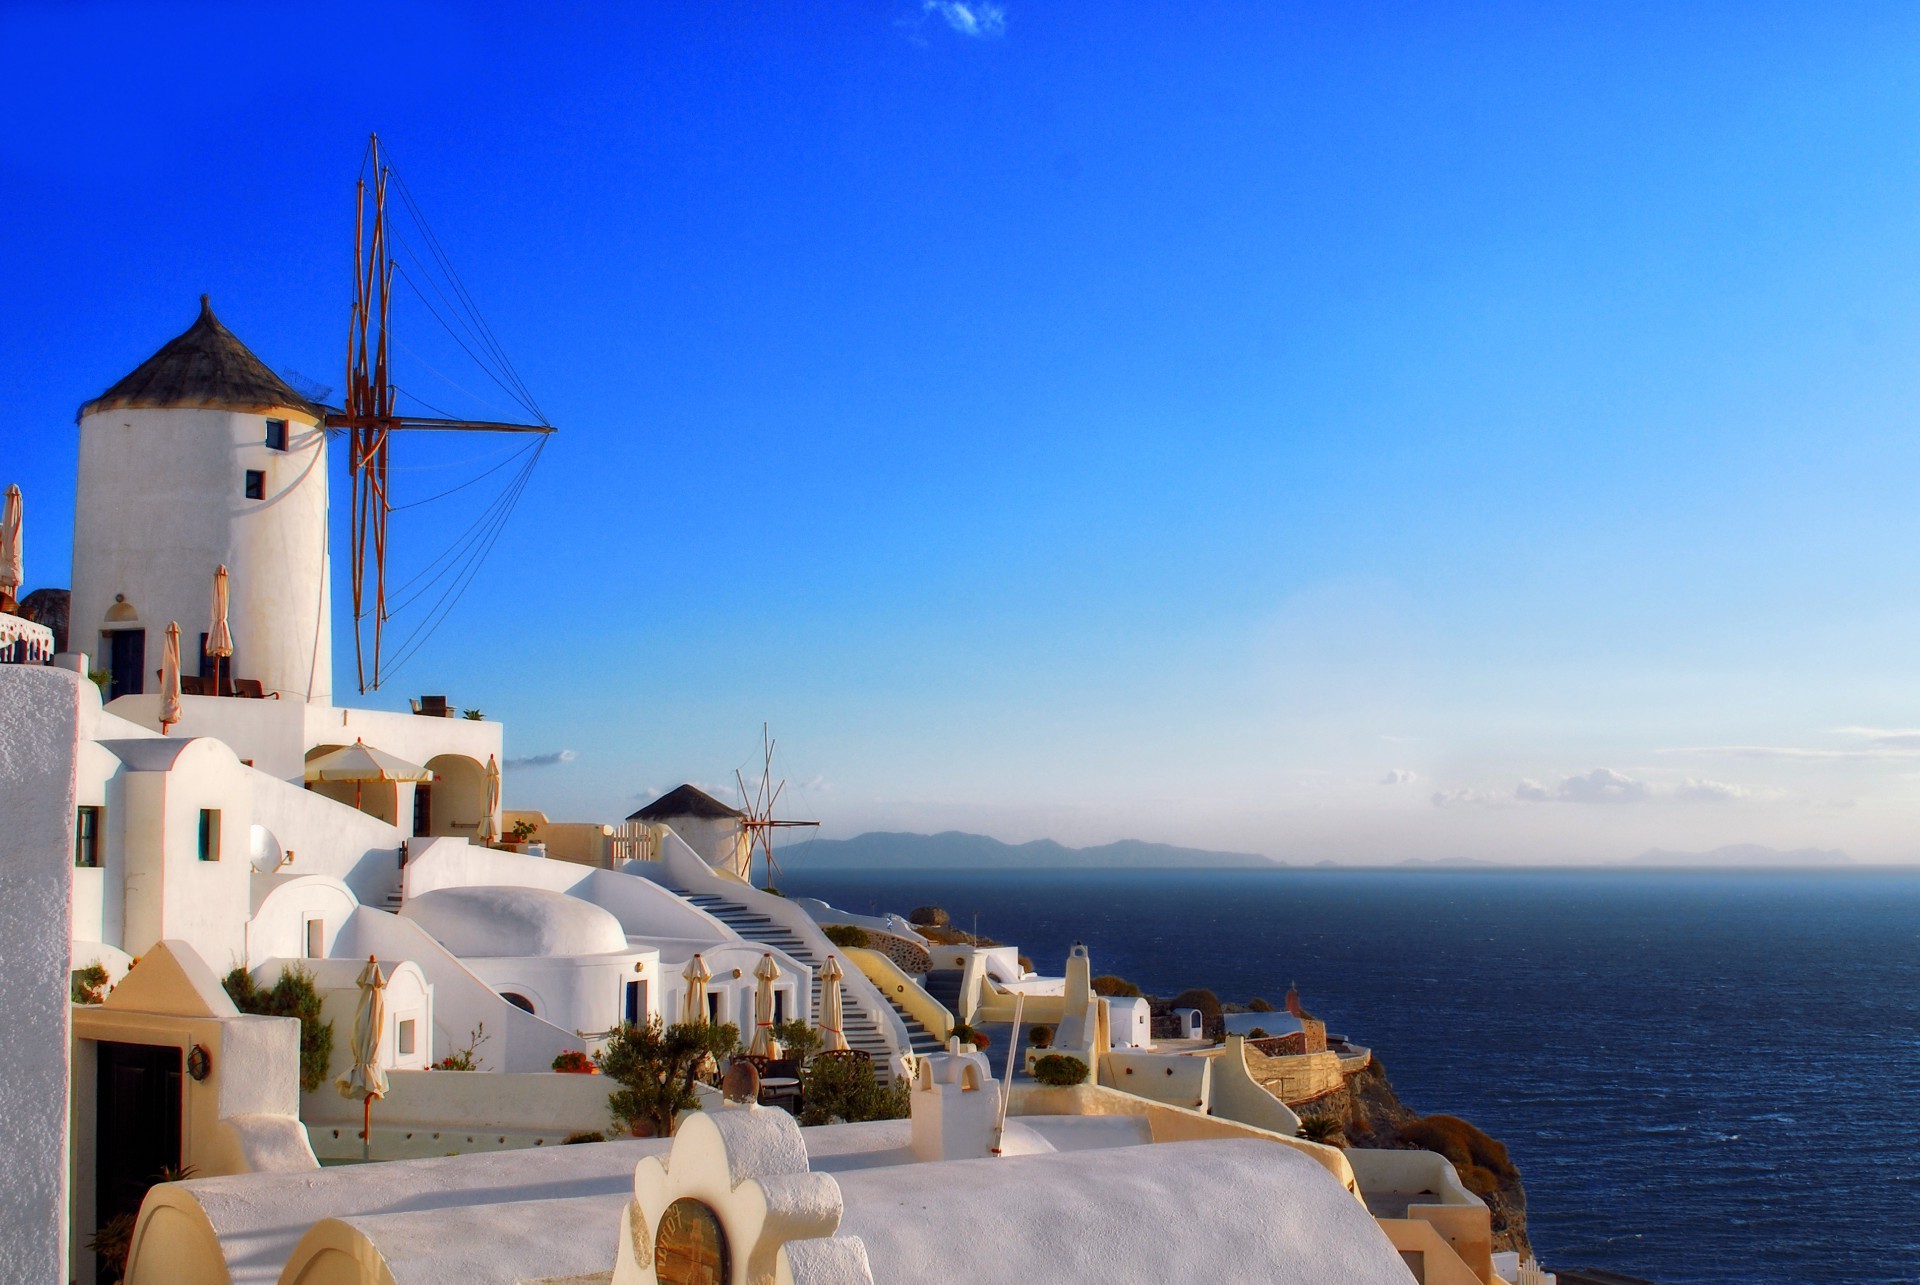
(137, 1126)
(636, 1002)
(423, 809)
(126, 662)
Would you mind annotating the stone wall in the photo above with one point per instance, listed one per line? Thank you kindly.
(911, 956)
(1294, 1078)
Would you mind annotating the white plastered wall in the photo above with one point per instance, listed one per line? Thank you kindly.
(160, 504)
(169, 891)
(40, 727)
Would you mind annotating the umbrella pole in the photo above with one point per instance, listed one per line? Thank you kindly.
(366, 1127)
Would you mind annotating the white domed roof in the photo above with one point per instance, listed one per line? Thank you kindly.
(514, 922)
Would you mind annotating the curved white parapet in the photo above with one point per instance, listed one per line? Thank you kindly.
(740, 1177)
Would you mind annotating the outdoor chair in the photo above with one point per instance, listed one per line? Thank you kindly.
(845, 1055)
(785, 1095)
(249, 688)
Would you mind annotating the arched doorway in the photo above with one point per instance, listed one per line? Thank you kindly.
(455, 802)
(123, 650)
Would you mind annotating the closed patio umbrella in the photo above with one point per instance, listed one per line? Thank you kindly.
(490, 826)
(219, 637)
(12, 576)
(697, 976)
(366, 1079)
(765, 973)
(830, 1019)
(170, 678)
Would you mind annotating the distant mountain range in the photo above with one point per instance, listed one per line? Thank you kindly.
(1448, 861)
(1744, 854)
(954, 849)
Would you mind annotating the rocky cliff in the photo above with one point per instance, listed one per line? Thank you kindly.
(1372, 1115)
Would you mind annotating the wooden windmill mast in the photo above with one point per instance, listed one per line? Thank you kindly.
(759, 823)
(370, 417)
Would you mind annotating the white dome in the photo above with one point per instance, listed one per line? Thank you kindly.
(514, 922)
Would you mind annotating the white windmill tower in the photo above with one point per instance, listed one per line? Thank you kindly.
(202, 456)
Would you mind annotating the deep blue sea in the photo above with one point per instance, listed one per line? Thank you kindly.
(1703, 1077)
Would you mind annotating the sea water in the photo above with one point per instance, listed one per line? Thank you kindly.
(1703, 1077)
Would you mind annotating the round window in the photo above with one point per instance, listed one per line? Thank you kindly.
(691, 1247)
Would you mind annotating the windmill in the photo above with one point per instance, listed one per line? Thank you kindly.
(371, 417)
(759, 822)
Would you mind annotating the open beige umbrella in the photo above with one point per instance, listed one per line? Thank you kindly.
(366, 1079)
(170, 678)
(697, 976)
(830, 1018)
(219, 637)
(360, 763)
(765, 973)
(490, 826)
(12, 576)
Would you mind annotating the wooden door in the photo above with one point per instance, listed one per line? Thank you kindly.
(137, 1124)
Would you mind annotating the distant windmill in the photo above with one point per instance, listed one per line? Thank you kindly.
(759, 822)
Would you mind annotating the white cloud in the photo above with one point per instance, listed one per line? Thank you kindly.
(1712, 791)
(977, 19)
(1602, 785)
(554, 759)
(1399, 776)
(1793, 752)
(1468, 798)
(1886, 738)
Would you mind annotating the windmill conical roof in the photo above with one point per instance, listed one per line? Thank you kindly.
(204, 368)
(687, 801)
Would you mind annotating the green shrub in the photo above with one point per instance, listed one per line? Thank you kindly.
(1467, 1147)
(1323, 1128)
(468, 1058)
(293, 995)
(845, 1088)
(655, 1066)
(1258, 1005)
(1257, 1033)
(1040, 1037)
(1205, 1000)
(1059, 1070)
(967, 1035)
(1115, 987)
(799, 1040)
(88, 984)
(588, 1135)
(849, 936)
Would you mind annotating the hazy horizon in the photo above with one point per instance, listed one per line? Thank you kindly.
(1333, 434)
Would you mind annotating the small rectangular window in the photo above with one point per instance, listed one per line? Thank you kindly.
(276, 434)
(316, 938)
(86, 838)
(405, 1038)
(256, 484)
(209, 834)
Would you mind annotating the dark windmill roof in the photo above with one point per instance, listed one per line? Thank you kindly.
(207, 367)
(687, 801)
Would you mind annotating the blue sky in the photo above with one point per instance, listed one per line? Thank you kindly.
(1345, 432)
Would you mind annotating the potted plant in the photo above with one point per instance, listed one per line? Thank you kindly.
(967, 1035)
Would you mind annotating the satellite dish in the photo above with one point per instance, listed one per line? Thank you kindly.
(264, 850)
